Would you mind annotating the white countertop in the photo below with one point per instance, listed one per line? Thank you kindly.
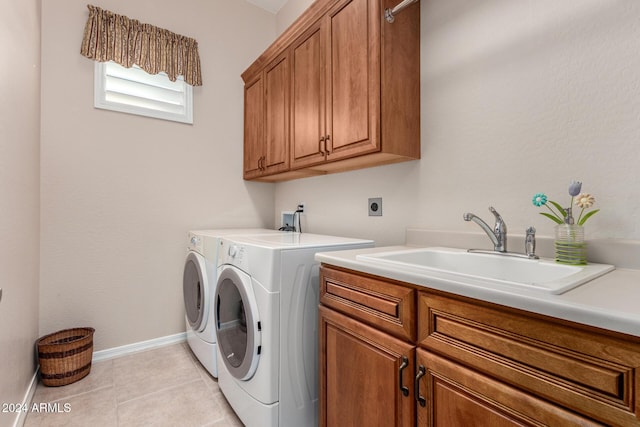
(610, 302)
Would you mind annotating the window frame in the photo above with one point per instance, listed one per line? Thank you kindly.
(101, 101)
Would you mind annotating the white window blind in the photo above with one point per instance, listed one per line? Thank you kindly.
(134, 91)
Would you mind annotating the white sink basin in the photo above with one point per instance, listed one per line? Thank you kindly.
(543, 274)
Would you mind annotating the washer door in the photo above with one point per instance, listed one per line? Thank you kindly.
(237, 323)
(195, 289)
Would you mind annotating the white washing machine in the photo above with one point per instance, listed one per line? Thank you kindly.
(267, 325)
(199, 281)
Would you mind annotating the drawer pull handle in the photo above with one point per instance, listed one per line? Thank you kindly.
(403, 388)
(421, 373)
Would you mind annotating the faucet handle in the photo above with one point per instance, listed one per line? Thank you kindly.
(501, 226)
(495, 213)
(530, 243)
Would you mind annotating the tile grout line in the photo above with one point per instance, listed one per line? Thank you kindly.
(160, 390)
(73, 396)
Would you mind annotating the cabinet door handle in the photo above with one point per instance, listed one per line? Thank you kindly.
(261, 163)
(403, 365)
(326, 143)
(322, 145)
(421, 373)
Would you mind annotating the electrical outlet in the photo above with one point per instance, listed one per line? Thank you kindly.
(0, 294)
(375, 206)
(287, 219)
(301, 207)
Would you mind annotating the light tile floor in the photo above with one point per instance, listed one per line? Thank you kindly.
(161, 387)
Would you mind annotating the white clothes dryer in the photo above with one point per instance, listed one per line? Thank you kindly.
(198, 284)
(267, 325)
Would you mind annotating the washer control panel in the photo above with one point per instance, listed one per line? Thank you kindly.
(233, 253)
(195, 243)
(233, 250)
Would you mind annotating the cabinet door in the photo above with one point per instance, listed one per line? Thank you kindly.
(308, 127)
(353, 78)
(253, 127)
(276, 78)
(361, 372)
(455, 396)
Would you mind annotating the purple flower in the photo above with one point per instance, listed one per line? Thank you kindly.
(558, 214)
(574, 188)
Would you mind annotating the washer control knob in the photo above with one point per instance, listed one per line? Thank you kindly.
(194, 240)
(233, 251)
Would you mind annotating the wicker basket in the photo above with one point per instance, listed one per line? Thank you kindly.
(65, 356)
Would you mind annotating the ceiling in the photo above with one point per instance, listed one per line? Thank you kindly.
(272, 6)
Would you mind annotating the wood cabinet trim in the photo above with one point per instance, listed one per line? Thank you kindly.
(378, 303)
(317, 9)
(385, 305)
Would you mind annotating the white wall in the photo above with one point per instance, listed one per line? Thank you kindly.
(289, 12)
(19, 197)
(516, 98)
(120, 192)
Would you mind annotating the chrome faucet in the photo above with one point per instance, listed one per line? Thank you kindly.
(498, 235)
(530, 243)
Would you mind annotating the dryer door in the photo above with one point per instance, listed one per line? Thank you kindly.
(194, 287)
(237, 323)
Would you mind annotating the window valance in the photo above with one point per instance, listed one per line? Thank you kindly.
(112, 37)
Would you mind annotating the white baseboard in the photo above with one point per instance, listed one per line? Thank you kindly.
(103, 355)
(110, 353)
(26, 402)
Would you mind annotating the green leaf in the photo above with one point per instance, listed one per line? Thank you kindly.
(559, 208)
(552, 218)
(587, 216)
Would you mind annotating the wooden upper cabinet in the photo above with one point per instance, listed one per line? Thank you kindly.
(354, 89)
(253, 127)
(277, 115)
(336, 88)
(308, 111)
(266, 115)
(353, 76)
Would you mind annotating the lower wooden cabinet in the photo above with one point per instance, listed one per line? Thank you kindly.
(589, 372)
(453, 395)
(366, 376)
(471, 363)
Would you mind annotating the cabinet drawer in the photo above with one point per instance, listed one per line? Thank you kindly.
(582, 369)
(458, 396)
(380, 303)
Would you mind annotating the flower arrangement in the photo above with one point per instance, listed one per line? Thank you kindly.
(562, 215)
